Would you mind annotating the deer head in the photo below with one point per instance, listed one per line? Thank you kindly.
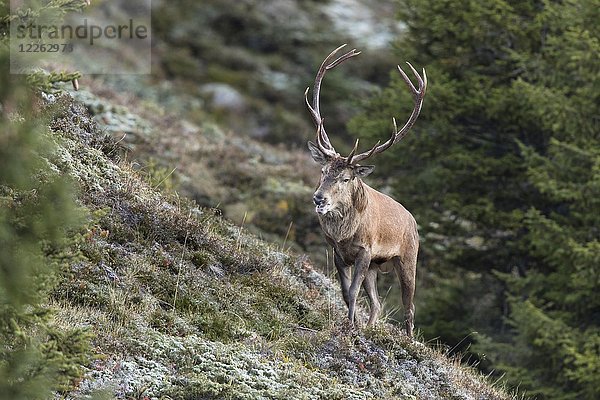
(339, 184)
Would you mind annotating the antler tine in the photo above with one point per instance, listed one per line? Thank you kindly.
(313, 112)
(422, 81)
(349, 158)
(314, 109)
(342, 58)
(329, 151)
(397, 135)
(322, 140)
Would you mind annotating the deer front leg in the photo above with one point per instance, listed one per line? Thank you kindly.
(361, 266)
(343, 271)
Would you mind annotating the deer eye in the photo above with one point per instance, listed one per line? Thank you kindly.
(346, 180)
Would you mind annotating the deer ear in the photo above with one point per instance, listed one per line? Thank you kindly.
(317, 154)
(363, 170)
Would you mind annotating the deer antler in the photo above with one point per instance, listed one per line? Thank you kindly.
(397, 135)
(322, 139)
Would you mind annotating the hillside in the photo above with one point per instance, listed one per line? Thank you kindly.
(263, 186)
(183, 304)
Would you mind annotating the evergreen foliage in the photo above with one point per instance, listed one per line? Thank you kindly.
(502, 173)
(38, 12)
(36, 210)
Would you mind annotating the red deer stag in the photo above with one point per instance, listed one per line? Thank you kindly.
(366, 228)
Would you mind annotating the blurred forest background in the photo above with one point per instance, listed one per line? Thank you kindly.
(501, 171)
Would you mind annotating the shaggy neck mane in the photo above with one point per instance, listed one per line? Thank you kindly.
(342, 222)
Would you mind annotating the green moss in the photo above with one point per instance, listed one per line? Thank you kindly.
(162, 320)
(275, 308)
(202, 258)
(219, 324)
(228, 260)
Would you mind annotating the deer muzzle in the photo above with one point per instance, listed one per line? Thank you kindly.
(322, 204)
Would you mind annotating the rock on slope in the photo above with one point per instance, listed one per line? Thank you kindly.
(184, 305)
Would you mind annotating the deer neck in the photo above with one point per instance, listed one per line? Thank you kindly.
(343, 222)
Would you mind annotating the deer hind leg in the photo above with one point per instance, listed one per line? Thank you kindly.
(370, 286)
(406, 271)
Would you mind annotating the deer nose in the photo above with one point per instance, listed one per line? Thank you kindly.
(318, 199)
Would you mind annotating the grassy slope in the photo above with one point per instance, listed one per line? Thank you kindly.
(264, 186)
(185, 305)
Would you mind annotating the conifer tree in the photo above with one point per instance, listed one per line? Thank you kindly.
(36, 210)
(501, 172)
(555, 307)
